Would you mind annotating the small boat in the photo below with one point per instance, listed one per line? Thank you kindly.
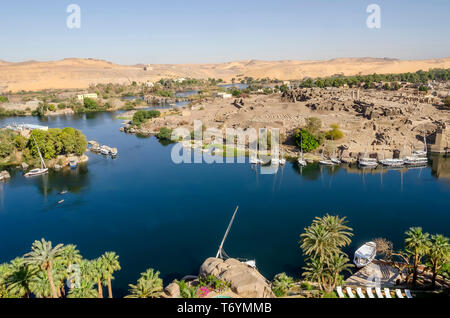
(392, 162)
(416, 161)
(366, 161)
(275, 161)
(73, 164)
(365, 254)
(60, 201)
(104, 151)
(326, 162)
(334, 159)
(114, 152)
(63, 192)
(300, 160)
(424, 152)
(282, 161)
(38, 171)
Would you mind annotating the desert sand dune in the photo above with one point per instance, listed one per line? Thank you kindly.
(80, 73)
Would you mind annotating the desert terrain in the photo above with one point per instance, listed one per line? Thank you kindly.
(80, 73)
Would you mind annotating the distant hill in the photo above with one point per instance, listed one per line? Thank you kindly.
(80, 73)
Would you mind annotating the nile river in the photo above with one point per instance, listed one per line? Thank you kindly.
(156, 214)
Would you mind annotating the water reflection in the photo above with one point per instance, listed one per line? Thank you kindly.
(440, 167)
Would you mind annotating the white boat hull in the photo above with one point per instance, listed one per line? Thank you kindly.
(365, 254)
(36, 172)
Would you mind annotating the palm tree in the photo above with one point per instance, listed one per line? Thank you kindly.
(438, 253)
(416, 244)
(19, 278)
(282, 283)
(69, 256)
(86, 290)
(43, 255)
(336, 227)
(98, 272)
(149, 285)
(40, 285)
(111, 263)
(338, 264)
(4, 273)
(325, 237)
(316, 242)
(315, 271)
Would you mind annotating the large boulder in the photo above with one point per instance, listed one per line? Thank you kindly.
(245, 280)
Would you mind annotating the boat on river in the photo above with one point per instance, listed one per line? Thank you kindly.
(366, 161)
(221, 253)
(416, 161)
(38, 171)
(365, 254)
(392, 162)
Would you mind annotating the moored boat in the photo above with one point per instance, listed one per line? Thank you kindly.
(365, 254)
(416, 161)
(38, 171)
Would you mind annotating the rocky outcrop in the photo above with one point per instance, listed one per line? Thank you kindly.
(296, 95)
(4, 175)
(245, 281)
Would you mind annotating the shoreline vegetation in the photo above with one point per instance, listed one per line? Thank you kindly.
(57, 146)
(61, 272)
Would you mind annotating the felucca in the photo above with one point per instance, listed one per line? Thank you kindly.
(38, 172)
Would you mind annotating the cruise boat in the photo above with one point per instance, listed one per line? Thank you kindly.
(365, 254)
(38, 171)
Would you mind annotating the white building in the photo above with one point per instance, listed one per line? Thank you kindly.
(82, 97)
(224, 95)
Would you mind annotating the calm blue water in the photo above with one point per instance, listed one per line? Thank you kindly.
(170, 217)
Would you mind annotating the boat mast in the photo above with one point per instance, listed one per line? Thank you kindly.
(40, 156)
(220, 252)
(425, 141)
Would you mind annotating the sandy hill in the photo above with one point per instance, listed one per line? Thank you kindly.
(80, 73)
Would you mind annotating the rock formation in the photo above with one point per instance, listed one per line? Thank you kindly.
(245, 281)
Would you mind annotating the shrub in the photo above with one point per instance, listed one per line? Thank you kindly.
(62, 106)
(90, 104)
(313, 124)
(281, 284)
(6, 143)
(142, 116)
(165, 134)
(447, 101)
(329, 295)
(20, 142)
(4, 99)
(306, 286)
(304, 139)
(51, 107)
(334, 133)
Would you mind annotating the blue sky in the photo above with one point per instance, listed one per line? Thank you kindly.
(197, 31)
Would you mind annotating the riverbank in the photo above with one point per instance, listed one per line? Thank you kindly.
(371, 121)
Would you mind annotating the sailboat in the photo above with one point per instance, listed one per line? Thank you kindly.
(416, 160)
(221, 253)
(38, 172)
(391, 162)
(365, 161)
(334, 159)
(324, 161)
(301, 161)
(422, 153)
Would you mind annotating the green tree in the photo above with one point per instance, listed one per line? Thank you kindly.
(43, 255)
(19, 278)
(417, 245)
(281, 284)
(85, 290)
(315, 271)
(90, 104)
(438, 254)
(149, 285)
(305, 140)
(111, 264)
